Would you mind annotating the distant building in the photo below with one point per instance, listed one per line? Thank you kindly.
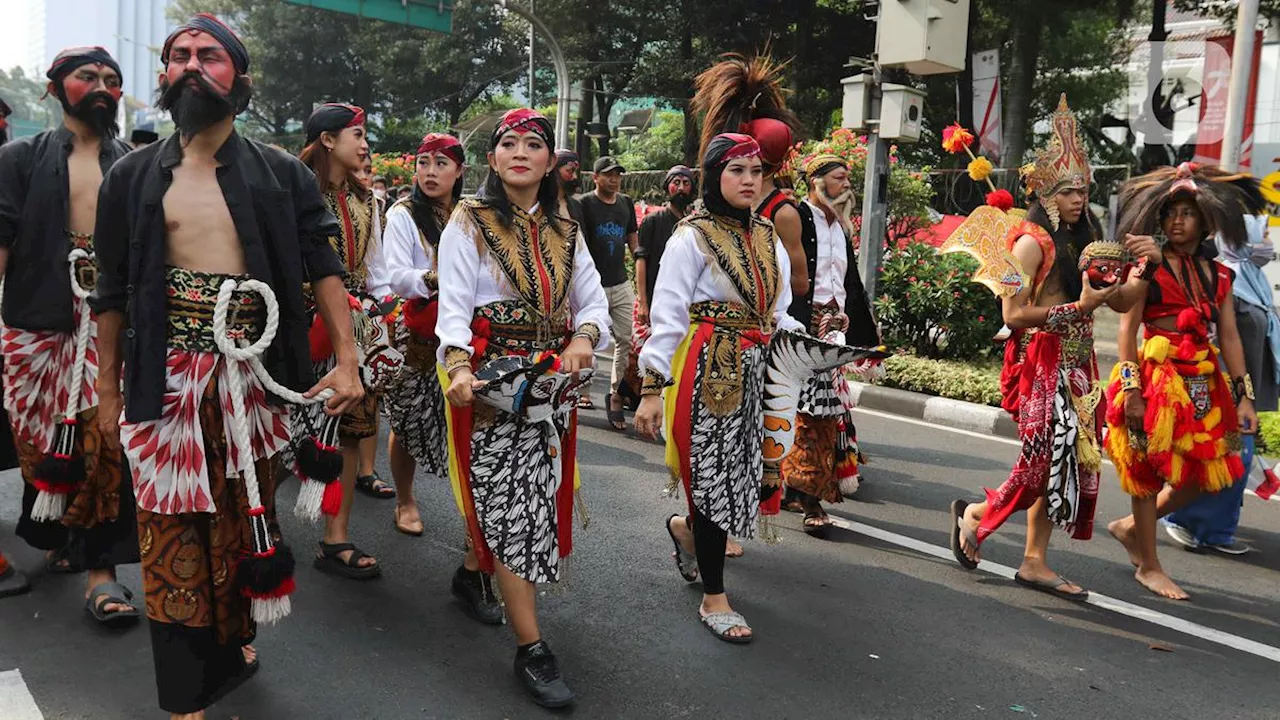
(132, 30)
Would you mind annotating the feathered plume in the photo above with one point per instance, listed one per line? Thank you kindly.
(735, 91)
(1223, 198)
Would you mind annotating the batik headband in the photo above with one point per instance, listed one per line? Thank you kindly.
(68, 60)
(206, 23)
(522, 120)
(727, 147)
(332, 117)
(441, 143)
(822, 164)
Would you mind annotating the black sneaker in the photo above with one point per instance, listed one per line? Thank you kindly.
(1235, 547)
(475, 590)
(539, 672)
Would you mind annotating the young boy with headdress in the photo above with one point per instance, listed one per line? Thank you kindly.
(1176, 407)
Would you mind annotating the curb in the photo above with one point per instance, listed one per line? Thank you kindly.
(938, 410)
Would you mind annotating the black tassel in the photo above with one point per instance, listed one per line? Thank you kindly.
(266, 575)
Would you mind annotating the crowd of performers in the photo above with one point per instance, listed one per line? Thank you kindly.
(1179, 406)
(285, 305)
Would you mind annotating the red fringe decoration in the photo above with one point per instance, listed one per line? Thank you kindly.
(332, 501)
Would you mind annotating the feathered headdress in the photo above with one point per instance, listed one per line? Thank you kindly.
(1223, 199)
(740, 95)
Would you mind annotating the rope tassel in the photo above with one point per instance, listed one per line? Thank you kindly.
(61, 470)
(318, 464)
(265, 576)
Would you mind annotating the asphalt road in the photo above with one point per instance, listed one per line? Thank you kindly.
(851, 627)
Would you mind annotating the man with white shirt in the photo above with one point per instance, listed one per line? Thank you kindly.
(826, 451)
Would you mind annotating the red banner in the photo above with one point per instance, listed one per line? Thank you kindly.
(1215, 84)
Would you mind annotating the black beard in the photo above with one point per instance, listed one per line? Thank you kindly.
(571, 187)
(193, 111)
(680, 201)
(100, 118)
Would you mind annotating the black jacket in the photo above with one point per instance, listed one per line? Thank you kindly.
(35, 190)
(284, 228)
(862, 331)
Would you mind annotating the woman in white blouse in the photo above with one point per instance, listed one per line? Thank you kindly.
(415, 401)
(723, 289)
(517, 280)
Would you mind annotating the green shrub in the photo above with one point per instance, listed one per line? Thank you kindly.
(1268, 441)
(929, 305)
(970, 382)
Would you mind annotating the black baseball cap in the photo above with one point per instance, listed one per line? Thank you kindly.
(607, 164)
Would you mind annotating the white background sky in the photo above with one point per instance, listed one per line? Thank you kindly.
(13, 32)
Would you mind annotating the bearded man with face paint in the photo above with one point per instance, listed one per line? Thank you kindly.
(518, 279)
(824, 465)
(77, 503)
(177, 222)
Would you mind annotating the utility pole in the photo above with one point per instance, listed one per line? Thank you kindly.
(875, 191)
(532, 102)
(1238, 91)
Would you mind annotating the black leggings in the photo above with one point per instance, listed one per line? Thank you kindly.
(709, 542)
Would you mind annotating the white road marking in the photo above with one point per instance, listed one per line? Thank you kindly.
(16, 702)
(983, 436)
(1138, 612)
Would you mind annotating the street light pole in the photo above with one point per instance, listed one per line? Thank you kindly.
(1238, 91)
(875, 190)
(563, 88)
(532, 102)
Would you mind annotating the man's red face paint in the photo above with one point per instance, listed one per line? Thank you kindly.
(88, 79)
(200, 52)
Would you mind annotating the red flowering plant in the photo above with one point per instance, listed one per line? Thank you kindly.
(929, 306)
(396, 168)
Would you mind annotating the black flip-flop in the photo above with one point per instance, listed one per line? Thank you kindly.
(1051, 588)
(111, 592)
(820, 530)
(957, 514)
(684, 558)
(375, 487)
(617, 418)
(59, 563)
(13, 582)
(329, 562)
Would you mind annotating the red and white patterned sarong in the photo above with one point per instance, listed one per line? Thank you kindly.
(168, 455)
(37, 379)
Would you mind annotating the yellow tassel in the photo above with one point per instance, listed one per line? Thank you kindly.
(1217, 478)
(1161, 436)
(1156, 349)
(1201, 438)
(1176, 464)
(1087, 454)
(1184, 443)
(1200, 356)
(1212, 418)
(1205, 368)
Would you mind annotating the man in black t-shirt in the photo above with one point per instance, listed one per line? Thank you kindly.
(609, 226)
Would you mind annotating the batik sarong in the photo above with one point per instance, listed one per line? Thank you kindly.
(714, 415)
(518, 508)
(1050, 385)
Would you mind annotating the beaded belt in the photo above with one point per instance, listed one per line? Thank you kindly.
(189, 305)
(515, 329)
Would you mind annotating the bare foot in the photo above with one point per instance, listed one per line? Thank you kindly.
(249, 654)
(720, 604)
(1161, 584)
(1123, 533)
(733, 549)
(969, 529)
